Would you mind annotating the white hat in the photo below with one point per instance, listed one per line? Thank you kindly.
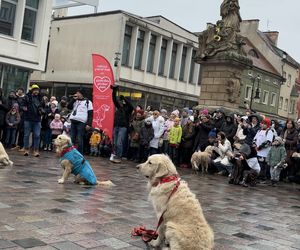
(191, 118)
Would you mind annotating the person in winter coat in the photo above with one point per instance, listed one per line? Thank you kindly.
(135, 131)
(50, 111)
(250, 129)
(187, 142)
(290, 137)
(229, 127)
(147, 134)
(202, 130)
(33, 110)
(94, 142)
(3, 111)
(12, 99)
(167, 126)
(276, 159)
(20, 95)
(263, 142)
(123, 112)
(219, 119)
(12, 121)
(174, 140)
(105, 147)
(56, 126)
(158, 126)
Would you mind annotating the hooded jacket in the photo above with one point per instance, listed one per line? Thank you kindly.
(229, 128)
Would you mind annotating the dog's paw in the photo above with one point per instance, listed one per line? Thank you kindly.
(155, 243)
(61, 181)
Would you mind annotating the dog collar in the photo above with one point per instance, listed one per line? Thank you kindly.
(167, 179)
(66, 150)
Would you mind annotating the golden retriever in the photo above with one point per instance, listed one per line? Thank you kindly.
(4, 159)
(184, 226)
(201, 158)
(86, 175)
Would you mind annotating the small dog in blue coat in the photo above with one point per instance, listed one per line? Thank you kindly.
(73, 162)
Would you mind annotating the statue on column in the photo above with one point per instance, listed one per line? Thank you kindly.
(222, 37)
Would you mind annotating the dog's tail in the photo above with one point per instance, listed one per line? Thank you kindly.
(107, 183)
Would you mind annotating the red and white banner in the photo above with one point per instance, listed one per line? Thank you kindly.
(103, 116)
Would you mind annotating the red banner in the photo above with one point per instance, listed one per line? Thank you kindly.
(103, 116)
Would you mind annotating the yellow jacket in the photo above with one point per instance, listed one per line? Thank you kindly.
(95, 139)
(175, 135)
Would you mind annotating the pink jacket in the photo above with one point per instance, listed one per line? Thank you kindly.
(56, 127)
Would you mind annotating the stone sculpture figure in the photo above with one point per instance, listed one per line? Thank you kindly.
(222, 37)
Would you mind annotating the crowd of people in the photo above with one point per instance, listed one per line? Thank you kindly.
(248, 148)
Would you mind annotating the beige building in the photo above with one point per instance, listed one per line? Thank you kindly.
(156, 64)
(266, 45)
(24, 30)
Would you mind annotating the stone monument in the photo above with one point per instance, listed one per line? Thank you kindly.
(222, 59)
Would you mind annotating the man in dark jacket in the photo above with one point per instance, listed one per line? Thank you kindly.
(229, 127)
(33, 109)
(219, 119)
(202, 131)
(250, 129)
(121, 123)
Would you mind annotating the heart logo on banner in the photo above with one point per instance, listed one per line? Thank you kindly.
(102, 83)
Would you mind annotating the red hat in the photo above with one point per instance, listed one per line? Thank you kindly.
(267, 121)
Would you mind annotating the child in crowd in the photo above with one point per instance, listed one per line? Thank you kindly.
(67, 126)
(105, 148)
(276, 159)
(174, 140)
(56, 127)
(147, 134)
(94, 142)
(12, 120)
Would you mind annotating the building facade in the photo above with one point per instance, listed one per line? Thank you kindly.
(24, 30)
(155, 66)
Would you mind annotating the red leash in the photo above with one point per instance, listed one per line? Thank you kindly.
(148, 235)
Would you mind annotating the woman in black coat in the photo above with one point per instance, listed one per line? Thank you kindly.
(202, 130)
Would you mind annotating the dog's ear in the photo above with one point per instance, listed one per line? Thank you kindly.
(161, 170)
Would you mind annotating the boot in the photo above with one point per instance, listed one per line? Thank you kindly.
(36, 153)
(26, 152)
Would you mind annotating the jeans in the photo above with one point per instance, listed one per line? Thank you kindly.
(47, 137)
(77, 134)
(173, 153)
(35, 128)
(10, 136)
(222, 167)
(94, 149)
(120, 134)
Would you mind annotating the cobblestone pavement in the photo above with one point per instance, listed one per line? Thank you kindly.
(38, 213)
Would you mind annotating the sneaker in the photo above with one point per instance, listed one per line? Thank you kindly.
(45, 149)
(21, 150)
(36, 153)
(15, 148)
(26, 152)
(111, 158)
(116, 160)
(49, 148)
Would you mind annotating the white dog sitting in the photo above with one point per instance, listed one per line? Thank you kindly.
(74, 163)
(184, 226)
(4, 159)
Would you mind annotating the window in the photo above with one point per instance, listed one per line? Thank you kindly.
(162, 59)
(7, 16)
(151, 53)
(126, 45)
(292, 107)
(273, 99)
(286, 103)
(139, 49)
(183, 62)
(29, 20)
(173, 61)
(265, 97)
(289, 80)
(248, 92)
(280, 102)
(192, 68)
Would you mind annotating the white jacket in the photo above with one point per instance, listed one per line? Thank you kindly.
(158, 127)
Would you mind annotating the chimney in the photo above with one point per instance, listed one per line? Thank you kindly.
(273, 36)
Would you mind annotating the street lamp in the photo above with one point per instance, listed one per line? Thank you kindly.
(257, 93)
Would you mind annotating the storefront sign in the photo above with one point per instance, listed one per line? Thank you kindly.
(103, 116)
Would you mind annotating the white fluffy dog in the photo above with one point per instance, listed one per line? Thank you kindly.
(201, 159)
(74, 162)
(4, 159)
(184, 226)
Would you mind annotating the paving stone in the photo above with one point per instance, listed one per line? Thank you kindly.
(29, 242)
(67, 245)
(6, 244)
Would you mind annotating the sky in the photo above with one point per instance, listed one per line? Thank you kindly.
(274, 15)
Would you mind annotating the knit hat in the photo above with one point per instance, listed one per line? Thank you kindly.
(35, 86)
(163, 111)
(16, 106)
(97, 130)
(212, 134)
(191, 118)
(279, 139)
(267, 122)
(175, 112)
(204, 112)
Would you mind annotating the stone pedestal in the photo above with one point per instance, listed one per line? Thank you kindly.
(221, 83)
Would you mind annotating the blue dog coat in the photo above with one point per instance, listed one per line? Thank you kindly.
(80, 165)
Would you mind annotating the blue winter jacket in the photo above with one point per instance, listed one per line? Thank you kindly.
(80, 166)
